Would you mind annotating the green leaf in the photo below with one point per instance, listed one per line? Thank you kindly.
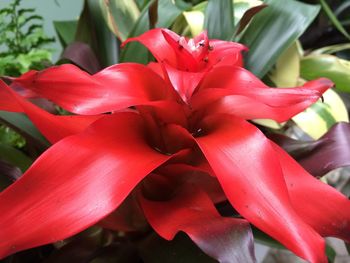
(273, 30)
(10, 137)
(93, 30)
(287, 69)
(14, 157)
(333, 18)
(135, 52)
(66, 31)
(219, 20)
(121, 16)
(328, 66)
(195, 21)
(24, 126)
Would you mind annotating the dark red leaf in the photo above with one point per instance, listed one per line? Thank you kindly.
(319, 157)
(192, 211)
(83, 56)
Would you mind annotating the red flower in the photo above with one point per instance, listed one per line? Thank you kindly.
(176, 149)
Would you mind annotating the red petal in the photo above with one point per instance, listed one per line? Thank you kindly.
(75, 183)
(320, 205)
(184, 82)
(114, 88)
(7, 103)
(225, 53)
(236, 91)
(251, 177)
(53, 127)
(156, 43)
(191, 211)
(250, 108)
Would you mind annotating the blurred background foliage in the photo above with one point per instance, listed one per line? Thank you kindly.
(289, 43)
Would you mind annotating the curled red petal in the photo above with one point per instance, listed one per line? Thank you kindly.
(237, 91)
(114, 88)
(63, 193)
(191, 211)
(252, 108)
(184, 82)
(320, 205)
(251, 177)
(156, 43)
(239, 81)
(225, 53)
(53, 127)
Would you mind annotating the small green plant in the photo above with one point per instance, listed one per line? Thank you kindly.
(22, 40)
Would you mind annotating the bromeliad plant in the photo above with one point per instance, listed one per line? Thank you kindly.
(175, 135)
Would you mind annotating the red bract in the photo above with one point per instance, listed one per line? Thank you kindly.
(183, 144)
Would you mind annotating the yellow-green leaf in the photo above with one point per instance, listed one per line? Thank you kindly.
(328, 66)
(317, 119)
(287, 68)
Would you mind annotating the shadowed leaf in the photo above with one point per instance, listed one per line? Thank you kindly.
(273, 30)
(318, 157)
(82, 55)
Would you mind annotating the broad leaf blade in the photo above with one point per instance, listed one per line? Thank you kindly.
(93, 30)
(121, 16)
(14, 157)
(24, 126)
(328, 66)
(66, 31)
(273, 30)
(219, 19)
(319, 157)
(83, 56)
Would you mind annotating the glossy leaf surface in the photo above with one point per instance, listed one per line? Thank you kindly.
(319, 157)
(226, 143)
(219, 19)
(273, 30)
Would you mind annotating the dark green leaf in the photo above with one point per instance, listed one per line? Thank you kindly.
(121, 16)
(93, 30)
(248, 16)
(219, 19)
(24, 126)
(273, 30)
(333, 18)
(14, 157)
(66, 31)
